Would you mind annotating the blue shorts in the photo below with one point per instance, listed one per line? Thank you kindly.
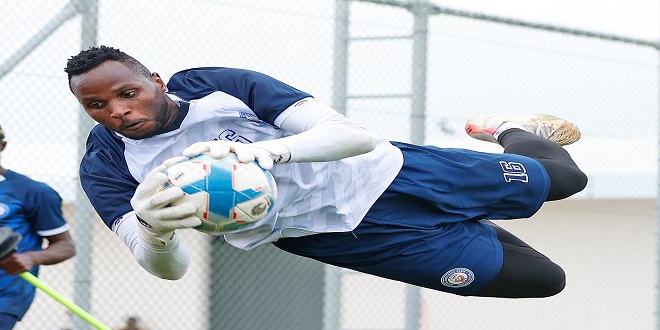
(425, 229)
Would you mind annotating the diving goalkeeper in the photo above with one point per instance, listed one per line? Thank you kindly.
(415, 214)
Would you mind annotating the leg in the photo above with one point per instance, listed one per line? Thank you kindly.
(423, 228)
(539, 137)
(525, 272)
(566, 178)
(461, 258)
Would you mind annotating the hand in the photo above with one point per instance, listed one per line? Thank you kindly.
(265, 153)
(17, 263)
(152, 204)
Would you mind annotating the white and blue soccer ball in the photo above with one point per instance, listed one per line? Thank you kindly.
(228, 194)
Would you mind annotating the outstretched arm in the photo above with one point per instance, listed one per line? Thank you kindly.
(323, 135)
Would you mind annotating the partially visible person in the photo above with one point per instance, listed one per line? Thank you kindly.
(67, 324)
(131, 324)
(34, 210)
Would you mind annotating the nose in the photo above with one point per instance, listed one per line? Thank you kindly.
(119, 110)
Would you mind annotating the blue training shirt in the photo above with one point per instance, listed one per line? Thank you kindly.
(34, 210)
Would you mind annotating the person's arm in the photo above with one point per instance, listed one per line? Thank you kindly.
(60, 248)
(323, 135)
(167, 261)
(106, 180)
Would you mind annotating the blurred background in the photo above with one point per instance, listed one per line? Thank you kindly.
(411, 71)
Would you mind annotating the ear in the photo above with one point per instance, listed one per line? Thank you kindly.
(155, 77)
(3, 144)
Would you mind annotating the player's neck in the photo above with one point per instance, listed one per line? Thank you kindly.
(173, 111)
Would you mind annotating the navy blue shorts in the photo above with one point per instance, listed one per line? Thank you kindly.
(425, 229)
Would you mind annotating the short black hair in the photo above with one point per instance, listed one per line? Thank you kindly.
(89, 59)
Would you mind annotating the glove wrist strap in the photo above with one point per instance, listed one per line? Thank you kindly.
(155, 239)
(279, 152)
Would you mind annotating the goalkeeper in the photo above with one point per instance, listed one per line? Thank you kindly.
(416, 214)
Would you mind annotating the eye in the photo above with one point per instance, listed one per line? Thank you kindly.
(95, 105)
(129, 94)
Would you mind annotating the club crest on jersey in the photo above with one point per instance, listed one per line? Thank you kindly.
(4, 210)
(457, 277)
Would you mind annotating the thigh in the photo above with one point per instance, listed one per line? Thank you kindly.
(460, 258)
(525, 272)
(465, 184)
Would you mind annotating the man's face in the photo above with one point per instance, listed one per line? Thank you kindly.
(123, 100)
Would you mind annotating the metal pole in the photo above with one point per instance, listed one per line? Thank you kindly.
(657, 240)
(339, 77)
(84, 213)
(420, 10)
(332, 275)
(657, 231)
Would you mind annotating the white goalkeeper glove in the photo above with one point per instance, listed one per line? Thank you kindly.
(265, 153)
(157, 217)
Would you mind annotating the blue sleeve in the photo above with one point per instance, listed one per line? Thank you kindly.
(105, 177)
(43, 207)
(266, 96)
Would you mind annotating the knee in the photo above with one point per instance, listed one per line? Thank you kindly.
(553, 281)
(570, 182)
(524, 275)
(580, 179)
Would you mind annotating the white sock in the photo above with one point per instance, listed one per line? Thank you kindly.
(507, 125)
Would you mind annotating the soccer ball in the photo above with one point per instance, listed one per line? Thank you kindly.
(228, 194)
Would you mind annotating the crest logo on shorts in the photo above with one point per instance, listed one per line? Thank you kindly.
(457, 278)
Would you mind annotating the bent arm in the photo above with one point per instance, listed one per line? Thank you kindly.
(60, 248)
(323, 134)
(168, 261)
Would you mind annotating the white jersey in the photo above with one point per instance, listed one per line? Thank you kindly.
(312, 197)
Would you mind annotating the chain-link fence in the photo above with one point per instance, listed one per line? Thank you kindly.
(603, 237)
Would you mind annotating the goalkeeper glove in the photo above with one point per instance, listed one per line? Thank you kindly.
(157, 217)
(265, 153)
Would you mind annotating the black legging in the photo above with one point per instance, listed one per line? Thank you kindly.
(566, 178)
(526, 272)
